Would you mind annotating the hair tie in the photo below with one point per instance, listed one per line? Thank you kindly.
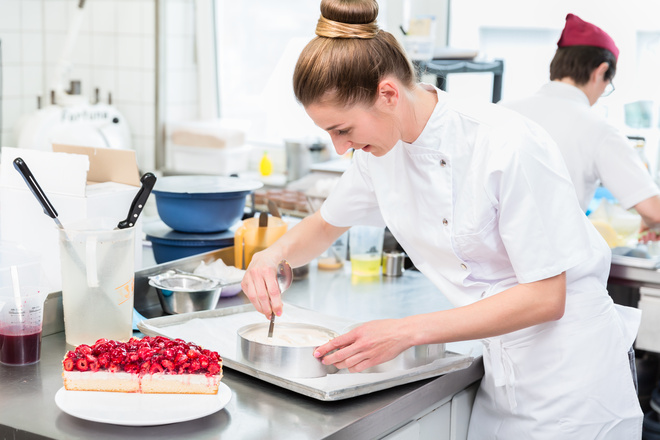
(335, 29)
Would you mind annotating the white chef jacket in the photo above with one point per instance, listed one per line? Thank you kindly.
(482, 201)
(595, 152)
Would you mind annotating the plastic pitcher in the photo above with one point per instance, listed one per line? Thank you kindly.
(98, 272)
(249, 238)
(365, 246)
(21, 306)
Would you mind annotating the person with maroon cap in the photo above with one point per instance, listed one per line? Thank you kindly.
(595, 152)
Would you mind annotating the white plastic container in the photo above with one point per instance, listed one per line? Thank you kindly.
(204, 160)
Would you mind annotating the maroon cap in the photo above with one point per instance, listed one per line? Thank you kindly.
(578, 32)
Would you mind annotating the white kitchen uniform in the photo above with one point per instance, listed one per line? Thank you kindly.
(481, 201)
(595, 152)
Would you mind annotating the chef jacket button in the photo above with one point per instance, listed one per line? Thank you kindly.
(445, 221)
(443, 163)
(463, 266)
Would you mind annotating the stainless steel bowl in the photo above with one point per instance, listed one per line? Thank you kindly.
(282, 360)
(183, 293)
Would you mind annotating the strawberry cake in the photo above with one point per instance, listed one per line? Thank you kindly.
(147, 365)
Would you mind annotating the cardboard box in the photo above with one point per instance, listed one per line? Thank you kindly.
(80, 182)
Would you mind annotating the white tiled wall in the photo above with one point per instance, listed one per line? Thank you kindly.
(115, 52)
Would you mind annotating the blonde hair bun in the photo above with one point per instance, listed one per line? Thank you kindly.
(348, 19)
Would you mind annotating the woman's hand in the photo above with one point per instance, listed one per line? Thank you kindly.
(365, 346)
(260, 283)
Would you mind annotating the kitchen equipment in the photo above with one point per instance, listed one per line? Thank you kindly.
(202, 204)
(180, 292)
(249, 238)
(168, 244)
(301, 154)
(393, 263)
(284, 278)
(148, 182)
(284, 360)
(97, 292)
(365, 246)
(21, 306)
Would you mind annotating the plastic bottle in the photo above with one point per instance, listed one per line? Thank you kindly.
(265, 165)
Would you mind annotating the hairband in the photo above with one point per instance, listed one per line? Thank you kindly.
(335, 29)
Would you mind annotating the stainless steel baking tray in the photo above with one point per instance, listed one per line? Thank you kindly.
(338, 386)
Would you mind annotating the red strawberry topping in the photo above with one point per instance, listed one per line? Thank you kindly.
(148, 355)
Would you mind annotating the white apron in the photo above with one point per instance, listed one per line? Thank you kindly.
(532, 390)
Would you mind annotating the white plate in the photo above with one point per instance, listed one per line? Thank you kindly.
(135, 409)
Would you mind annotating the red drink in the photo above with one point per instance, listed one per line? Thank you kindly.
(19, 349)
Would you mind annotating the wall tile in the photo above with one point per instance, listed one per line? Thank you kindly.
(129, 17)
(32, 81)
(149, 18)
(129, 51)
(55, 42)
(11, 81)
(10, 18)
(103, 16)
(149, 52)
(129, 86)
(56, 13)
(32, 48)
(11, 48)
(104, 51)
(31, 15)
(12, 110)
(148, 87)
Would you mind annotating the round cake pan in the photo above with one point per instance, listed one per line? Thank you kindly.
(282, 360)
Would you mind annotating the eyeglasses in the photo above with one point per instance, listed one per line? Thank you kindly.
(609, 88)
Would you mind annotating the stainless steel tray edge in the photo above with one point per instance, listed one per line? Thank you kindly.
(344, 393)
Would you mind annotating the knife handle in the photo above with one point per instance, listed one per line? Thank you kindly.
(32, 183)
(148, 182)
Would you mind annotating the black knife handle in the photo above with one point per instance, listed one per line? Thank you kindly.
(148, 182)
(23, 169)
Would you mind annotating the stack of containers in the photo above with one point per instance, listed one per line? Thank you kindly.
(198, 214)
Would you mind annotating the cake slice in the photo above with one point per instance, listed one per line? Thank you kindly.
(147, 365)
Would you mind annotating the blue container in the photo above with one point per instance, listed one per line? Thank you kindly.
(202, 204)
(169, 245)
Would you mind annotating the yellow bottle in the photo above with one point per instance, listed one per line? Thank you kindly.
(265, 165)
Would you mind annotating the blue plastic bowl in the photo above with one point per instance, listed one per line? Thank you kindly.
(202, 204)
(169, 245)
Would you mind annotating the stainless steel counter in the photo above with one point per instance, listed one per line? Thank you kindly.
(257, 409)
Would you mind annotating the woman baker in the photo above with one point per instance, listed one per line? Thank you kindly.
(482, 203)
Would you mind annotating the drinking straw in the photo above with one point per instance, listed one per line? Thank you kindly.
(17, 291)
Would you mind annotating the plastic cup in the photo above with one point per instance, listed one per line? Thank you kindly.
(21, 320)
(21, 306)
(335, 256)
(98, 272)
(366, 249)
